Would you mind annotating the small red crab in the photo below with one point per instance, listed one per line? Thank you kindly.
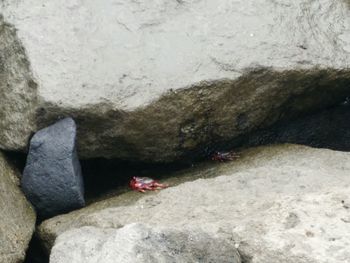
(142, 184)
(224, 156)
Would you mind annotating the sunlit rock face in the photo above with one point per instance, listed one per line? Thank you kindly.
(17, 217)
(156, 80)
(143, 244)
(283, 203)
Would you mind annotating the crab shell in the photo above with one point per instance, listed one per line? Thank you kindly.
(142, 184)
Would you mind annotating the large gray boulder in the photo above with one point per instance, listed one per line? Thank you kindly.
(52, 178)
(142, 244)
(283, 203)
(156, 80)
(17, 217)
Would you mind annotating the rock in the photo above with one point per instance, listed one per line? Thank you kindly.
(17, 217)
(282, 203)
(142, 244)
(324, 129)
(52, 178)
(18, 90)
(156, 81)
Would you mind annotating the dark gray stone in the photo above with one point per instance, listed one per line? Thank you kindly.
(52, 178)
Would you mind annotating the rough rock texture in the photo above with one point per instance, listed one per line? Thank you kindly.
(52, 178)
(324, 129)
(142, 244)
(154, 80)
(282, 203)
(17, 217)
(18, 90)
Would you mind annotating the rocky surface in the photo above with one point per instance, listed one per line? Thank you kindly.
(52, 178)
(17, 217)
(323, 129)
(283, 203)
(155, 80)
(18, 90)
(142, 244)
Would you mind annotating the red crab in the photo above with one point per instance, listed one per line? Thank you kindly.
(142, 184)
(224, 156)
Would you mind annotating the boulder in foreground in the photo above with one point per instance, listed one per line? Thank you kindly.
(282, 203)
(142, 244)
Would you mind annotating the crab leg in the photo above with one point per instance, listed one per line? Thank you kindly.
(158, 186)
(148, 187)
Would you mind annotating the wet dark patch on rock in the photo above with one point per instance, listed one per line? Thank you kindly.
(328, 128)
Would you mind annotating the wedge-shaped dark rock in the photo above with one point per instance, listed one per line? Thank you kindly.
(52, 178)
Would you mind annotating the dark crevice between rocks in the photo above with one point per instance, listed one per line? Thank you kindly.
(104, 177)
(326, 128)
(36, 252)
(16, 159)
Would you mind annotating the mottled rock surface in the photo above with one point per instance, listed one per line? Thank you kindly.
(17, 217)
(142, 244)
(283, 203)
(52, 178)
(325, 129)
(155, 80)
(18, 90)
